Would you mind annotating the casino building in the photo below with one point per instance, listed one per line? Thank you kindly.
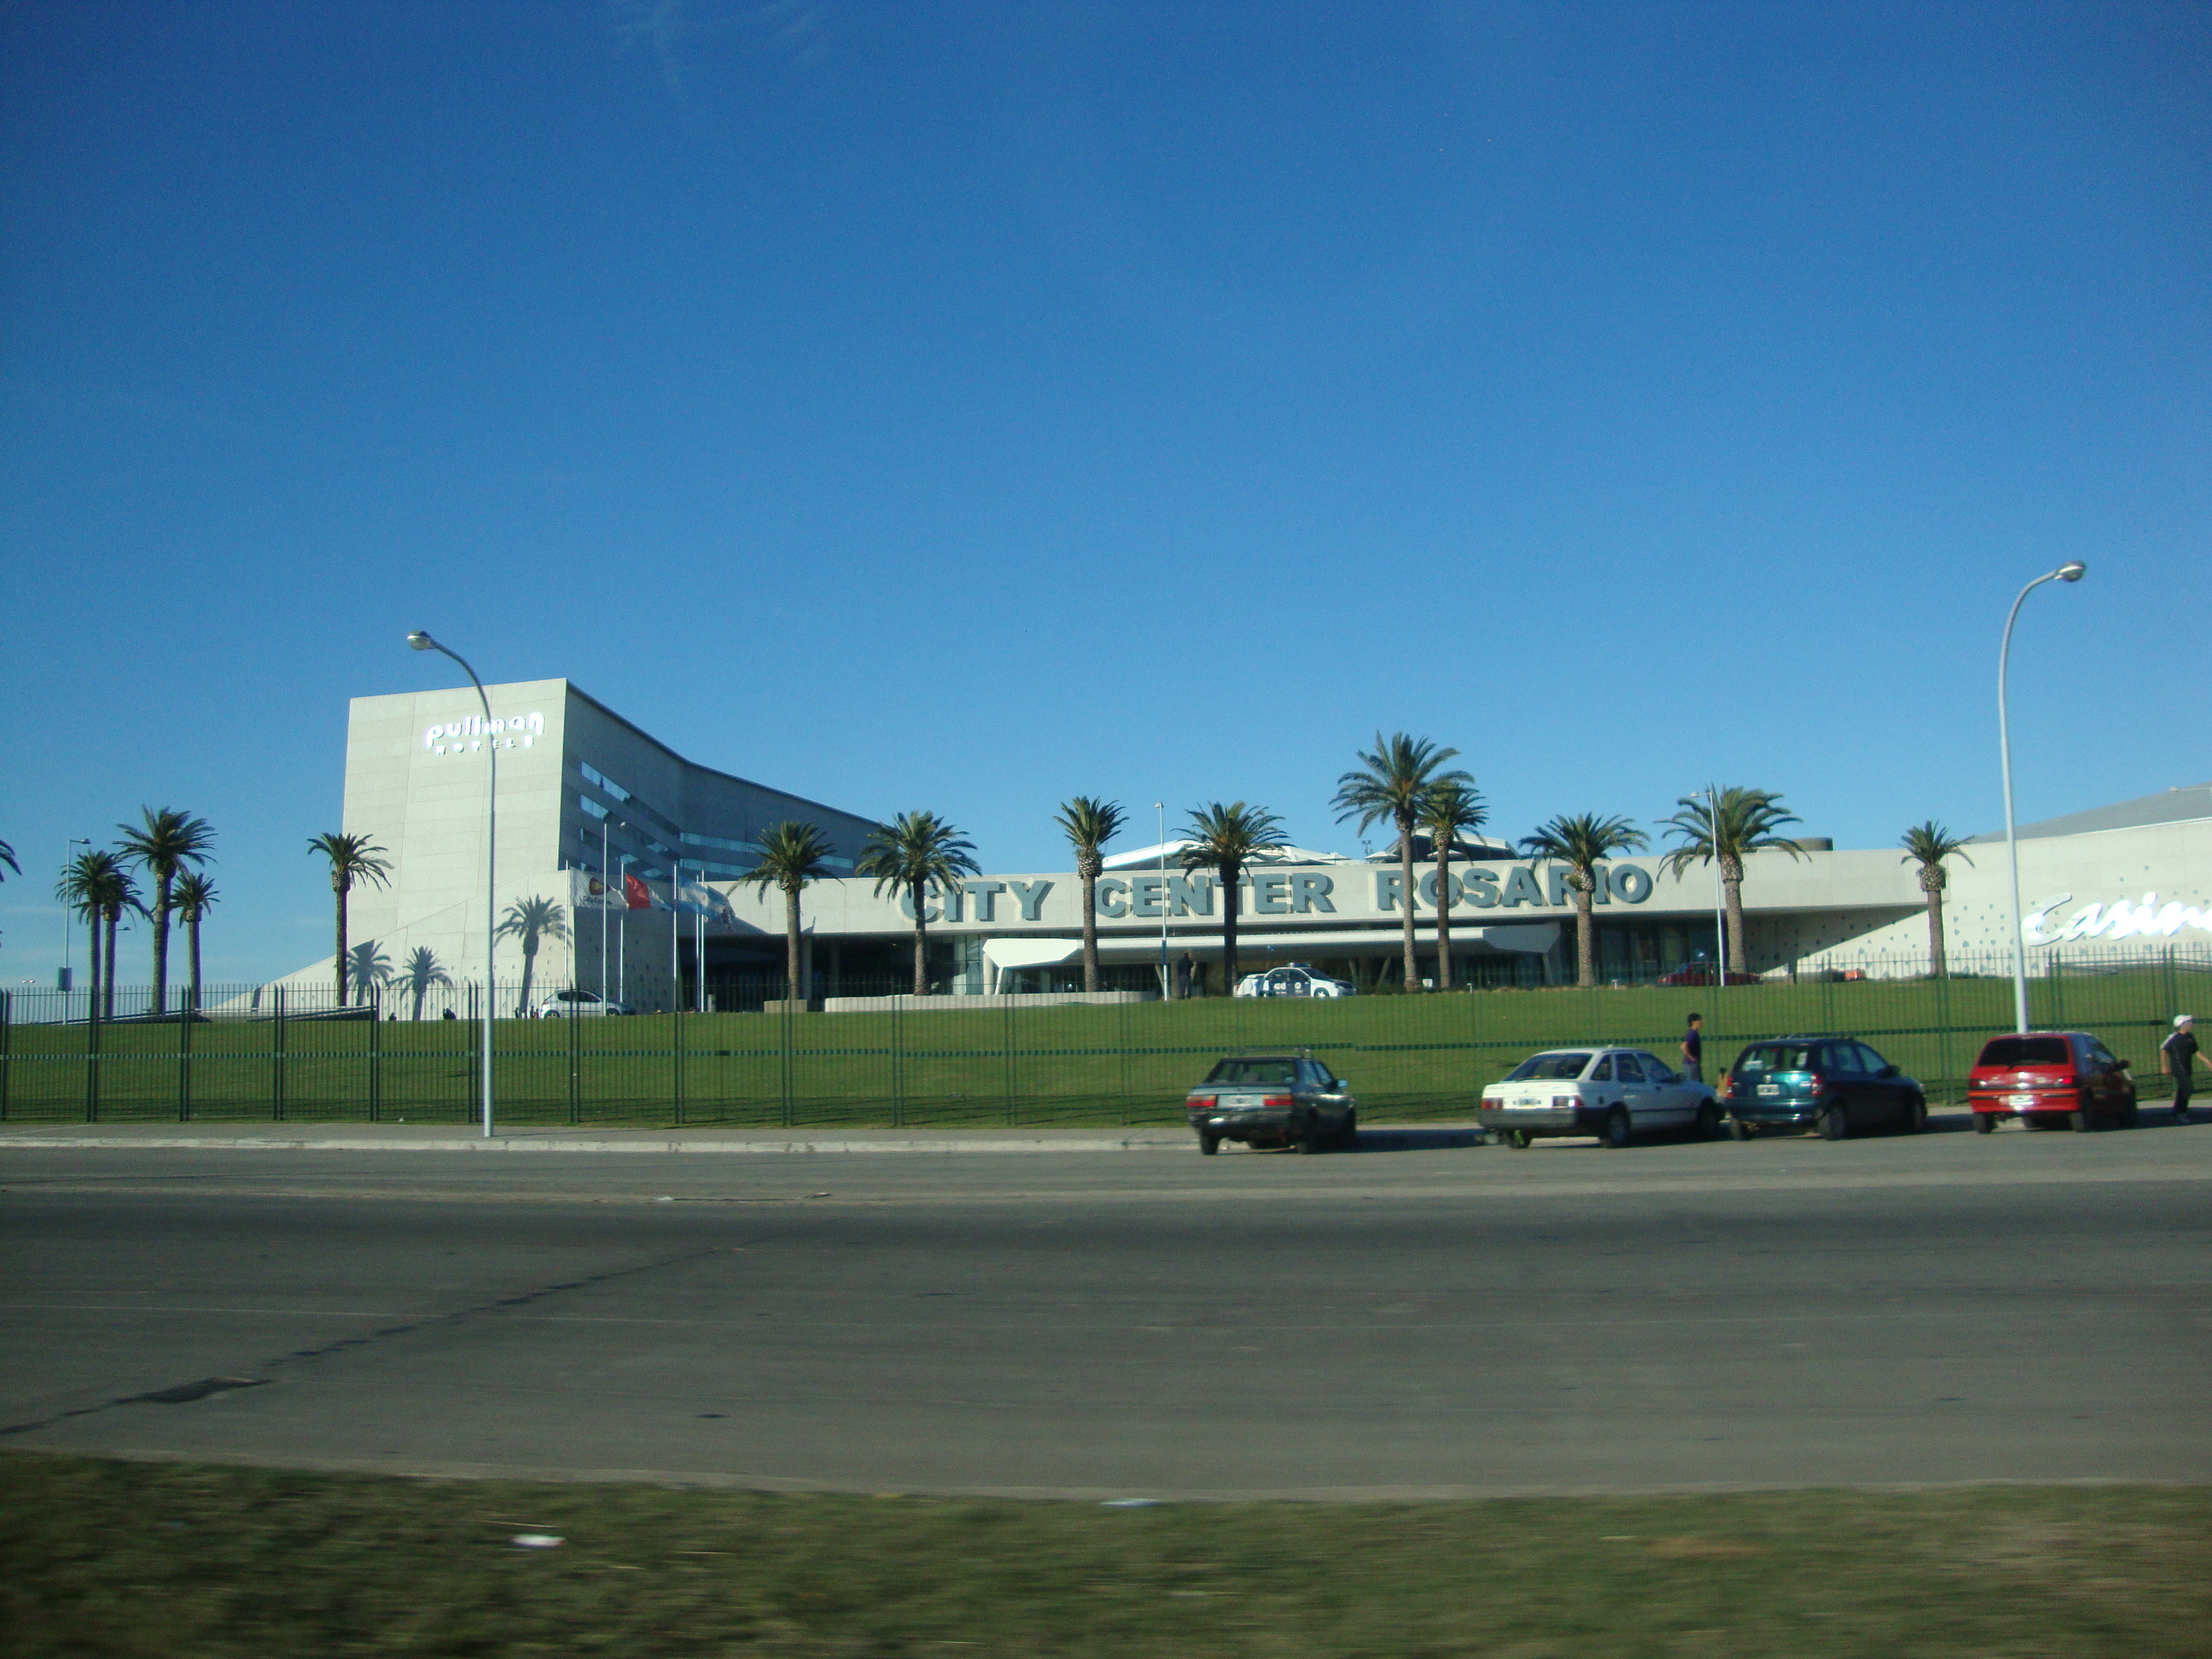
(636, 853)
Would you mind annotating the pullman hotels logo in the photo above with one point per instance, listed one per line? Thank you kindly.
(465, 737)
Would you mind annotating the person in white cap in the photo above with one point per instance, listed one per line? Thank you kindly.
(2177, 1058)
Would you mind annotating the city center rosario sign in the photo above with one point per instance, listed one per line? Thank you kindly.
(1292, 892)
(465, 737)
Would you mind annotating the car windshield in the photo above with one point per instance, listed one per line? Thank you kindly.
(2025, 1051)
(1252, 1070)
(1777, 1057)
(1549, 1068)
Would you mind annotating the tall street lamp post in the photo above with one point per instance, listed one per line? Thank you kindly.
(1167, 979)
(2071, 571)
(68, 949)
(422, 641)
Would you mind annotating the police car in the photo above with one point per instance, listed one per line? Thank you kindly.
(1296, 980)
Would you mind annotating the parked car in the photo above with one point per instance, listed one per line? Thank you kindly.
(1295, 980)
(1279, 1099)
(2050, 1080)
(1616, 1094)
(1703, 973)
(579, 1005)
(1834, 1084)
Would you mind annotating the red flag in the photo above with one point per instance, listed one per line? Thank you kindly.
(634, 890)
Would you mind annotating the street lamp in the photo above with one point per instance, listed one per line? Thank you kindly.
(422, 641)
(63, 983)
(2071, 571)
(1167, 978)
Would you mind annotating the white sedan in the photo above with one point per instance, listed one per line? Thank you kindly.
(1295, 980)
(1616, 1094)
(578, 1004)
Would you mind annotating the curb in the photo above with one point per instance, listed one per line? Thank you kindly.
(766, 1148)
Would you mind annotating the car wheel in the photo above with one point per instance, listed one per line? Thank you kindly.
(1834, 1125)
(2130, 1114)
(2083, 1120)
(1985, 1123)
(1310, 1138)
(1708, 1126)
(1739, 1130)
(1209, 1144)
(1915, 1116)
(1518, 1139)
(1618, 1128)
(1347, 1137)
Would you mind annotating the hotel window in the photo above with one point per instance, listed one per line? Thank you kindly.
(592, 806)
(592, 775)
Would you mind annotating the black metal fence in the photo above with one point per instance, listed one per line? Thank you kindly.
(285, 1054)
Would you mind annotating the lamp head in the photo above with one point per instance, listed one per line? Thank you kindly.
(422, 642)
(2072, 571)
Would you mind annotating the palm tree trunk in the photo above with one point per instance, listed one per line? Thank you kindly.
(1585, 939)
(1091, 930)
(1732, 896)
(1443, 918)
(107, 980)
(1229, 894)
(791, 986)
(1936, 932)
(93, 1008)
(193, 929)
(1406, 892)
(161, 943)
(342, 949)
(921, 942)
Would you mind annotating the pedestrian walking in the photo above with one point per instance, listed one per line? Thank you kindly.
(2177, 1058)
(1693, 1049)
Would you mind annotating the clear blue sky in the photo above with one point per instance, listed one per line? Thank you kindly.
(969, 405)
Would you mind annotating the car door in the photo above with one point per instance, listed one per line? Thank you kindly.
(1885, 1096)
(1674, 1097)
(2105, 1079)
(1838, 1063)
(1636, 1092)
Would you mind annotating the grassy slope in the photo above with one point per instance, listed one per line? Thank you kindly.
(198, 1562)
(1409, 1057)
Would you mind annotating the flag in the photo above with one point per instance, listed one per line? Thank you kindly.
(639, 895)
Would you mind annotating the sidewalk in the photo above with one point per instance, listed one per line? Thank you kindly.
(540, 1138)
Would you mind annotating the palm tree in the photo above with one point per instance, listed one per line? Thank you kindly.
(190, 899)
(1728, 823)
(421, 972)
(530, 920)
(1447, 809)
(1389, 783)
(1090, 823)
(1927, 845)
(353, 859)
(165, 843)
(916, 851)
(97, 884)
(792, 854)
(1224, 839)
(1582, 843)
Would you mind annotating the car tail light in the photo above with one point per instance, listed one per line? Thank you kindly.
(1201, 1100)
(1279, 1100)
(1563, 1103)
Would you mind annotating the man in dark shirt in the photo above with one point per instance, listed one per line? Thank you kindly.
(1693, 1049)
(2177, 1058)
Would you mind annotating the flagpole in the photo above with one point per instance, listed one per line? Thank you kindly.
(604, 891)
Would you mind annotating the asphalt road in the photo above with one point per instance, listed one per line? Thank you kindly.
(1949, 1308)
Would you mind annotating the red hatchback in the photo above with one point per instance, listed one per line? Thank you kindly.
(2050, 1080)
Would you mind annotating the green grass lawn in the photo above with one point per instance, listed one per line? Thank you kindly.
(119, 1560)
(1410, 1058)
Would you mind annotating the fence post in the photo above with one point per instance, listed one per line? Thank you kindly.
(783, 1057)
(186, 1015)
(676, 1042)
(276, 1060)
(7, 1047)
(376, 1054)
(476, 1053)
(1006, 1038)
(576, 1064)
(898, 1067)
(92, 1058)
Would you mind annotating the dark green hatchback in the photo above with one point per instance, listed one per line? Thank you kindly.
(1834, 1084)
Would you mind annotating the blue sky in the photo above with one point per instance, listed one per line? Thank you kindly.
(969, 405)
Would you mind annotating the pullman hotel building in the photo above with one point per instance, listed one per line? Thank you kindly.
(640, 851)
